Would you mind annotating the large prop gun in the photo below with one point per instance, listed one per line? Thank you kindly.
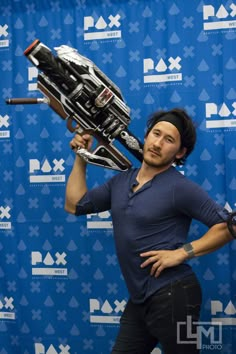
(80, 93)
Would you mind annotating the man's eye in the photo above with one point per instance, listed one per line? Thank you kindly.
(169, 140)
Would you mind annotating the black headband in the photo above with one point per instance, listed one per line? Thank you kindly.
(175, 120)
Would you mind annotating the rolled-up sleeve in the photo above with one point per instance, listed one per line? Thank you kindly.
(192, 200)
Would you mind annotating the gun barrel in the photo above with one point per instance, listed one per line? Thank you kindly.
(27, 100)
(43, 58)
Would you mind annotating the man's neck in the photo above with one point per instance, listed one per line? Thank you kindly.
(147, 172)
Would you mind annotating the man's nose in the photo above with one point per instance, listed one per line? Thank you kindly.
(158, 142)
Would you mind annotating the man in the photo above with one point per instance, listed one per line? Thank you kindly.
(152, 208)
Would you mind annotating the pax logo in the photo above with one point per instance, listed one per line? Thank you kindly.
(99, 220)
(219, 17)
(4, 125)
(32, 78)
(102, 28)
(7, 309)
(46, 172)
(49, 264)
(220, 116)
(225, 314)
(106, 312)
(168, 70)
(41, 349)
(4, 42)
(5, 216)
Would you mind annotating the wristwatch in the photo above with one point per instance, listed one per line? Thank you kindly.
(189, 249)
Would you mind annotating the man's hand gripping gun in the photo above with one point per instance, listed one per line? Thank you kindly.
(81, 93)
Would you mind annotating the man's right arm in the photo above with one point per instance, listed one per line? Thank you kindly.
(76, 185)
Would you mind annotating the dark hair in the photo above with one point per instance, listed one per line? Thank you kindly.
(188, 136)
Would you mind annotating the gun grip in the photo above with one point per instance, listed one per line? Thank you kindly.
(105, 156)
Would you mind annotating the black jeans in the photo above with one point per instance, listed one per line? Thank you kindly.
(143, 326)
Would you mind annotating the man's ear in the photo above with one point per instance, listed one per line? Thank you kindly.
(181, 153)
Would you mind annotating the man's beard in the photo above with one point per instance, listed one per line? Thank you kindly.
(162, 163)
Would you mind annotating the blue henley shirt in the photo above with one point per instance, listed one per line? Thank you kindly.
(155, 217)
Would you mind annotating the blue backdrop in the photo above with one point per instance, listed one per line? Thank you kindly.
(60, 285)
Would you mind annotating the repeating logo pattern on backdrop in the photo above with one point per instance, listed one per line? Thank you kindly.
(7, 309)
(5, 217)
(219, 18)
(61, 290)
(162, 72)
(220, 115)
(4, 35)
(102, 28)
(4, 126)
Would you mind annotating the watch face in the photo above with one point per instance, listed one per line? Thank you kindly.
(189, 249)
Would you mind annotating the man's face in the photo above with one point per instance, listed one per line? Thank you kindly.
(162, 145)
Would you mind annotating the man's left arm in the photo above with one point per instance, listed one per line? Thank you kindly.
(216, 237)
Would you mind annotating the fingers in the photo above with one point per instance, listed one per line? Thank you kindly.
(81, 141)
(156, 269)
(157, 266)
(152, 257)
(162, 259)
(158, 260)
